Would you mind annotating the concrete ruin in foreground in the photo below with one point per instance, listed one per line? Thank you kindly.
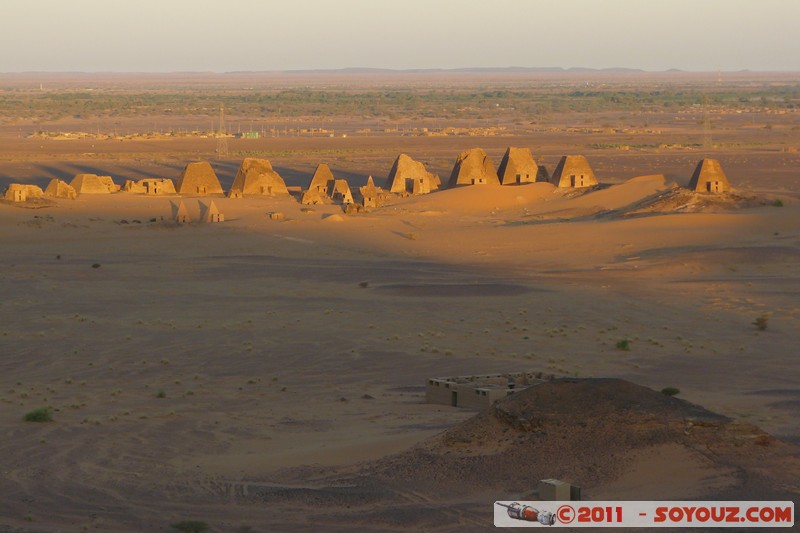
(479, 391)
(709, 177)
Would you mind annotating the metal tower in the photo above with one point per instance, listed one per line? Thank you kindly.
(707, 144)
(222, 136)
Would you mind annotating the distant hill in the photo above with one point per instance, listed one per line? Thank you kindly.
(469, 70)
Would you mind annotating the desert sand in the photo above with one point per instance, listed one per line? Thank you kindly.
(263, 374)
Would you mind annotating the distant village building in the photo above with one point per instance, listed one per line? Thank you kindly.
(479, 391)
(60, 189)
(199, 179)
(93, 184)
(709, 177)
(150, 186)
(573, 171)
(256, 177)
(408, 176)
(20, 192)
(518, 166)
(473, 167)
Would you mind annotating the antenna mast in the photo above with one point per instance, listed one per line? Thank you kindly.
(706, 125)
(222, 137)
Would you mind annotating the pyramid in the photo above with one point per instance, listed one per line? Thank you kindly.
(322, 180)
(151, 186)
(573, 171)
(709, 177)
(341, 192)
(256, 177)
(473, 167)
(60, 189)
(370, 194)
(93, 184)
(312, 197)
(199, 179)
(519, 167)
(19, 192)
(180, 213)
(410, 176)
(212, 214)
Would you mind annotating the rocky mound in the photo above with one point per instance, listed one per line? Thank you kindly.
(588, 432)
(680, 200)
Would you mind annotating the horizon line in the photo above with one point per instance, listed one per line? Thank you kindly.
(364, 70)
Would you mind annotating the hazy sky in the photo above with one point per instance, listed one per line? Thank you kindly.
(229, 35)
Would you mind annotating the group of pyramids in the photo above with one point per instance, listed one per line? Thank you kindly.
(256, 177)
(573, 171)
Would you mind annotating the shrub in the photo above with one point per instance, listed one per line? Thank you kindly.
(43, 414)
(670, 391)
(761, 322)
(777, 203)
(190, 526)
(624, 344)
(161, 394)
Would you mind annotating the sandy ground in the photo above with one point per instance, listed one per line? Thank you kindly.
(271, 353)
(264, 375)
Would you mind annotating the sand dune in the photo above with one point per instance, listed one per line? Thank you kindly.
(305, 342)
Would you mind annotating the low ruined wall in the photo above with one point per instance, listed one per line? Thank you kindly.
(438, 391)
